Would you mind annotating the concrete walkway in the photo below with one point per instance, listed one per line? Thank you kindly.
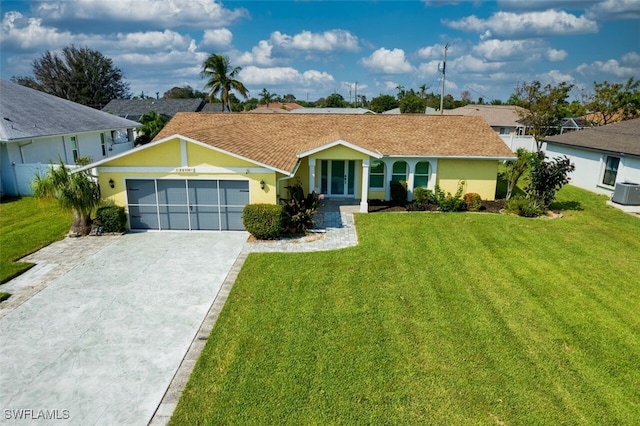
(106, 330)
(100, 344)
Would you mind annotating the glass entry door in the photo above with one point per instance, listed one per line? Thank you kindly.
(338, 177)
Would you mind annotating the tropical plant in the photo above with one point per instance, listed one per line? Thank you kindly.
(473, 201)
(448, 202)
(75, 191)
(412, 104)
(222, 79)
(514, 169)
(299, 210)
(80, 75)
(152, 123)
(266, 97)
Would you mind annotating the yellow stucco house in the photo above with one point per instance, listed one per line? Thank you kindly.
(203, 168)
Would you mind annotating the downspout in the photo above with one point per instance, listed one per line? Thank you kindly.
(22, 152)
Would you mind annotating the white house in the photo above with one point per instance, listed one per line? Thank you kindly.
(504, 119)
(602, 155)
(37, 129)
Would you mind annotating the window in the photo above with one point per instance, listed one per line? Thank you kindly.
(421, 176)
(399, 171)
(504, 131)
(103, 144)
(376, 174)
(74, 148)
(610, 171)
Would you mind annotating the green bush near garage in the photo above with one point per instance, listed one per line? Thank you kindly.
(111, 218)
(264, 221)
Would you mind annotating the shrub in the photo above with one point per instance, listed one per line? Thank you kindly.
(547, 177)
(111, 218)
(263, 221)
(448, 202)
(526, 207)
(423, 195)
(4, 296)
(398, 191)
(299, 210)
(473, 201)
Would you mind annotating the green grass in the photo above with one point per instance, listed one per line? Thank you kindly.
(435, 319)
(26, 225)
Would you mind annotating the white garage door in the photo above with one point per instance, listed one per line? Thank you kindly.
(188, 204)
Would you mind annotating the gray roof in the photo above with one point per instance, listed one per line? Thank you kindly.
(209, 107)
(620, 138)
(27, 113)
(331, 111)
(136, 108)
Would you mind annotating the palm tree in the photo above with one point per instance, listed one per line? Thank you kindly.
(216, 69)
(266, 97)
(77, 192)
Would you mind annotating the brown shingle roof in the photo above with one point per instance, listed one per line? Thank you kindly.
(276, 139)
(495, 115)
(622, 137)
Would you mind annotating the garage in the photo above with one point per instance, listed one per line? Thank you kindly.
(186, 204)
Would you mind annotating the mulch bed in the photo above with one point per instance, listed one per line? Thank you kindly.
(378, 206)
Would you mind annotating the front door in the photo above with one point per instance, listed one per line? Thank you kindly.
(338, 177)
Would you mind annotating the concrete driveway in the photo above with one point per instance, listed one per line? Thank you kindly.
(100, 344)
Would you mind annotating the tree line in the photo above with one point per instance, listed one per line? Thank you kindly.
(88, 77)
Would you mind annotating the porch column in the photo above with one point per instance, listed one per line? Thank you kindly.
(312, 175)
(364, 205)
(433, 174)
(410, 178)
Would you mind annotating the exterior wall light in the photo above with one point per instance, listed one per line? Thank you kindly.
(112, 184)
(261, 184)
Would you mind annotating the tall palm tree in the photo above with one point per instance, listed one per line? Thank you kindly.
(220, 80)
(77, 192)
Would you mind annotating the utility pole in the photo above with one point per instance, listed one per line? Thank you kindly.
(444, 67)
(356, 94)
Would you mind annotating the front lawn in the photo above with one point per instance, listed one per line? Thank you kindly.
(435, 319)
(27, 224)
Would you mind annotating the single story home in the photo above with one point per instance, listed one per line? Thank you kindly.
(602, 155)
(133, 109)
(506, 120)
(202, 169)
(37, 128)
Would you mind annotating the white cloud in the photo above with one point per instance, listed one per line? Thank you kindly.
(611, 66)
(556, 55)
(614, 10)
(163, 40)
(433, 52)
(221, 37)
(468, 63)
(168, 14)
(388, 62)
(259, 55)
(500, 50)
(328, 41)
(253, 75)
(557, 77)
(545, 23)
(631, 58)
(20, 32)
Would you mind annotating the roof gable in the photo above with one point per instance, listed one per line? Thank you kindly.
(27, 113)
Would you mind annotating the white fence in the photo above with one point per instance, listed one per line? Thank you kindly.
(514, 142)
(23, 175)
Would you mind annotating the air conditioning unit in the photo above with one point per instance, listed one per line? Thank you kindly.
(627, 193)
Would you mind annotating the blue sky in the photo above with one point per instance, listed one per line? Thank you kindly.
(314, 48)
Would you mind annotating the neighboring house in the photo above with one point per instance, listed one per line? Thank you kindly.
(602, 155)
(504, 119)
(332, 111)
(285, 106)
(574, 123)
(37, 129)
(211, 107)
(201, 170)
(133, 109)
